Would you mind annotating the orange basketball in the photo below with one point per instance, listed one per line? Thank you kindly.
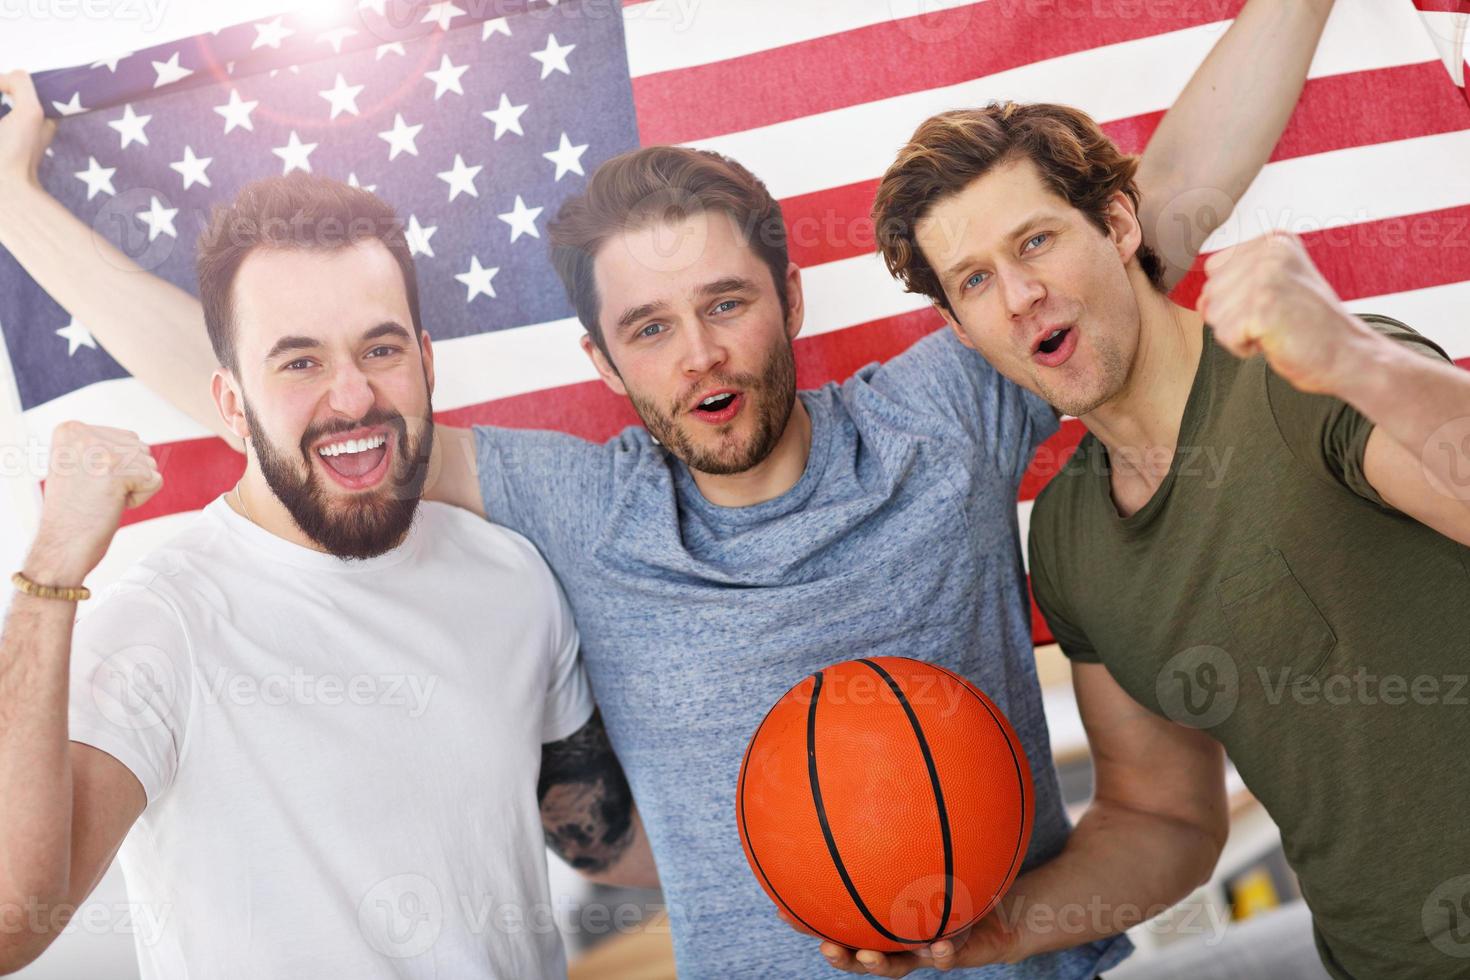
(884, 804)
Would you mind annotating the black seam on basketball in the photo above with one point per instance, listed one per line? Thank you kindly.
(1020, 780)
(944, 831)
(811, 761)
(750, 842)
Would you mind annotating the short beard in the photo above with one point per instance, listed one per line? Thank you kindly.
(367, 524)
(1114, 367)
(773, 395)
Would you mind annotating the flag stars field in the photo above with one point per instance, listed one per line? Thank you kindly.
(506, 117)
(477, 280)
(237, 112)
(97, 178)
(401, 137)
(130, 127)
(295, 155)
(553, 57)
(522, 220)
(461, 178)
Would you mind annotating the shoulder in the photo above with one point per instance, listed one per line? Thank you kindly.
(481, 547)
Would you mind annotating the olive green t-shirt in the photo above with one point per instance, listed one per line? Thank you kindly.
(1268, 595)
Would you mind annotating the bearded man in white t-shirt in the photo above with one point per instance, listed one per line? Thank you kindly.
(334, 724)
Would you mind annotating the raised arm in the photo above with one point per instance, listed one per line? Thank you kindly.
(65, 806)
(152, 327)
(1216, 137)
(587, 810)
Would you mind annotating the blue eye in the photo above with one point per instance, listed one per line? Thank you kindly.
(730, 303)
(651, 327)
(973, 281)
(1041, 235)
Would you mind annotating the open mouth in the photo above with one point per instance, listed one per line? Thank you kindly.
(356, 463)
(1054, 341)
(1056, 347)
(719, 408)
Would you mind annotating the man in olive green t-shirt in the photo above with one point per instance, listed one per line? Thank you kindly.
(1271, 550)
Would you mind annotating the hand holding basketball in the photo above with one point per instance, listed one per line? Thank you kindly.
(989, 941)
(1266, 296)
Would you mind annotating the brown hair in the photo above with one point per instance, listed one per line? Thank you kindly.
(948, 151)
(298, 211)
(660, 183)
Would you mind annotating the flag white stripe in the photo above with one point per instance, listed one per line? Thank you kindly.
(857, 143)
(1352, 186)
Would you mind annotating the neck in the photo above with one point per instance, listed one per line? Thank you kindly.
(254, 500)
(1139, 426)
(772, 476)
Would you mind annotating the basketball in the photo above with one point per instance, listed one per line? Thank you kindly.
(884, 804)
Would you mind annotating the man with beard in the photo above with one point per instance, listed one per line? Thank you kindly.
(335, 725)
(754, 533)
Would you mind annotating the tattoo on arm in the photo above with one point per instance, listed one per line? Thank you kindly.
(586, 805)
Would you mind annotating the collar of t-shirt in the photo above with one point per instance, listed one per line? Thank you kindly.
(263, 543)
(691, 497)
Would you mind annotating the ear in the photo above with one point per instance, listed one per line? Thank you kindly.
(426, 351)
(604, 367)
(1124, 230)
(230, 402)
(795, 301)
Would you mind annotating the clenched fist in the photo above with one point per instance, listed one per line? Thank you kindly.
(95, 473)
(1265, 296)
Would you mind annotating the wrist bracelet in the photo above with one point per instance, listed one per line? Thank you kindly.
(68, 593)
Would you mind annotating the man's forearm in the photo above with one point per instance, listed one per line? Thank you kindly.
(1220, 132)
(154, 329)
(1120, 867)
(35, 764)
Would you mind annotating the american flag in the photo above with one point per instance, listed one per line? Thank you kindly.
(476, 123)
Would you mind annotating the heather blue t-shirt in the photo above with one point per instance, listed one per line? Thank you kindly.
(900, 539)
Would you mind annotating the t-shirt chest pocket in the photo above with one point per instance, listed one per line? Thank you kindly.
(1271, 620)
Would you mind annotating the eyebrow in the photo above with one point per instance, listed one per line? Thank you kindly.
(388, 328)
(1026, 225)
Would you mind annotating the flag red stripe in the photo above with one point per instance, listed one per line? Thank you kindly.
(835, 224)
(1444, 6)
(912, 54)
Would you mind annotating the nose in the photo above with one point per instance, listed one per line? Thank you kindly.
(351, 393)
(703, 351)
(1021, 290)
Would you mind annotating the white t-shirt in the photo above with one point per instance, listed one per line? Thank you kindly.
(340, 757)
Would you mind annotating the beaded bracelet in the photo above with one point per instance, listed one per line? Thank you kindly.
(68, 593)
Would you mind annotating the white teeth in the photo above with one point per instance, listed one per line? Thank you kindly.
(710, 401)
(353, 446)
(1053, 335)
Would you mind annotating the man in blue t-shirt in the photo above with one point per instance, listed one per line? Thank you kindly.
(752, 534)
